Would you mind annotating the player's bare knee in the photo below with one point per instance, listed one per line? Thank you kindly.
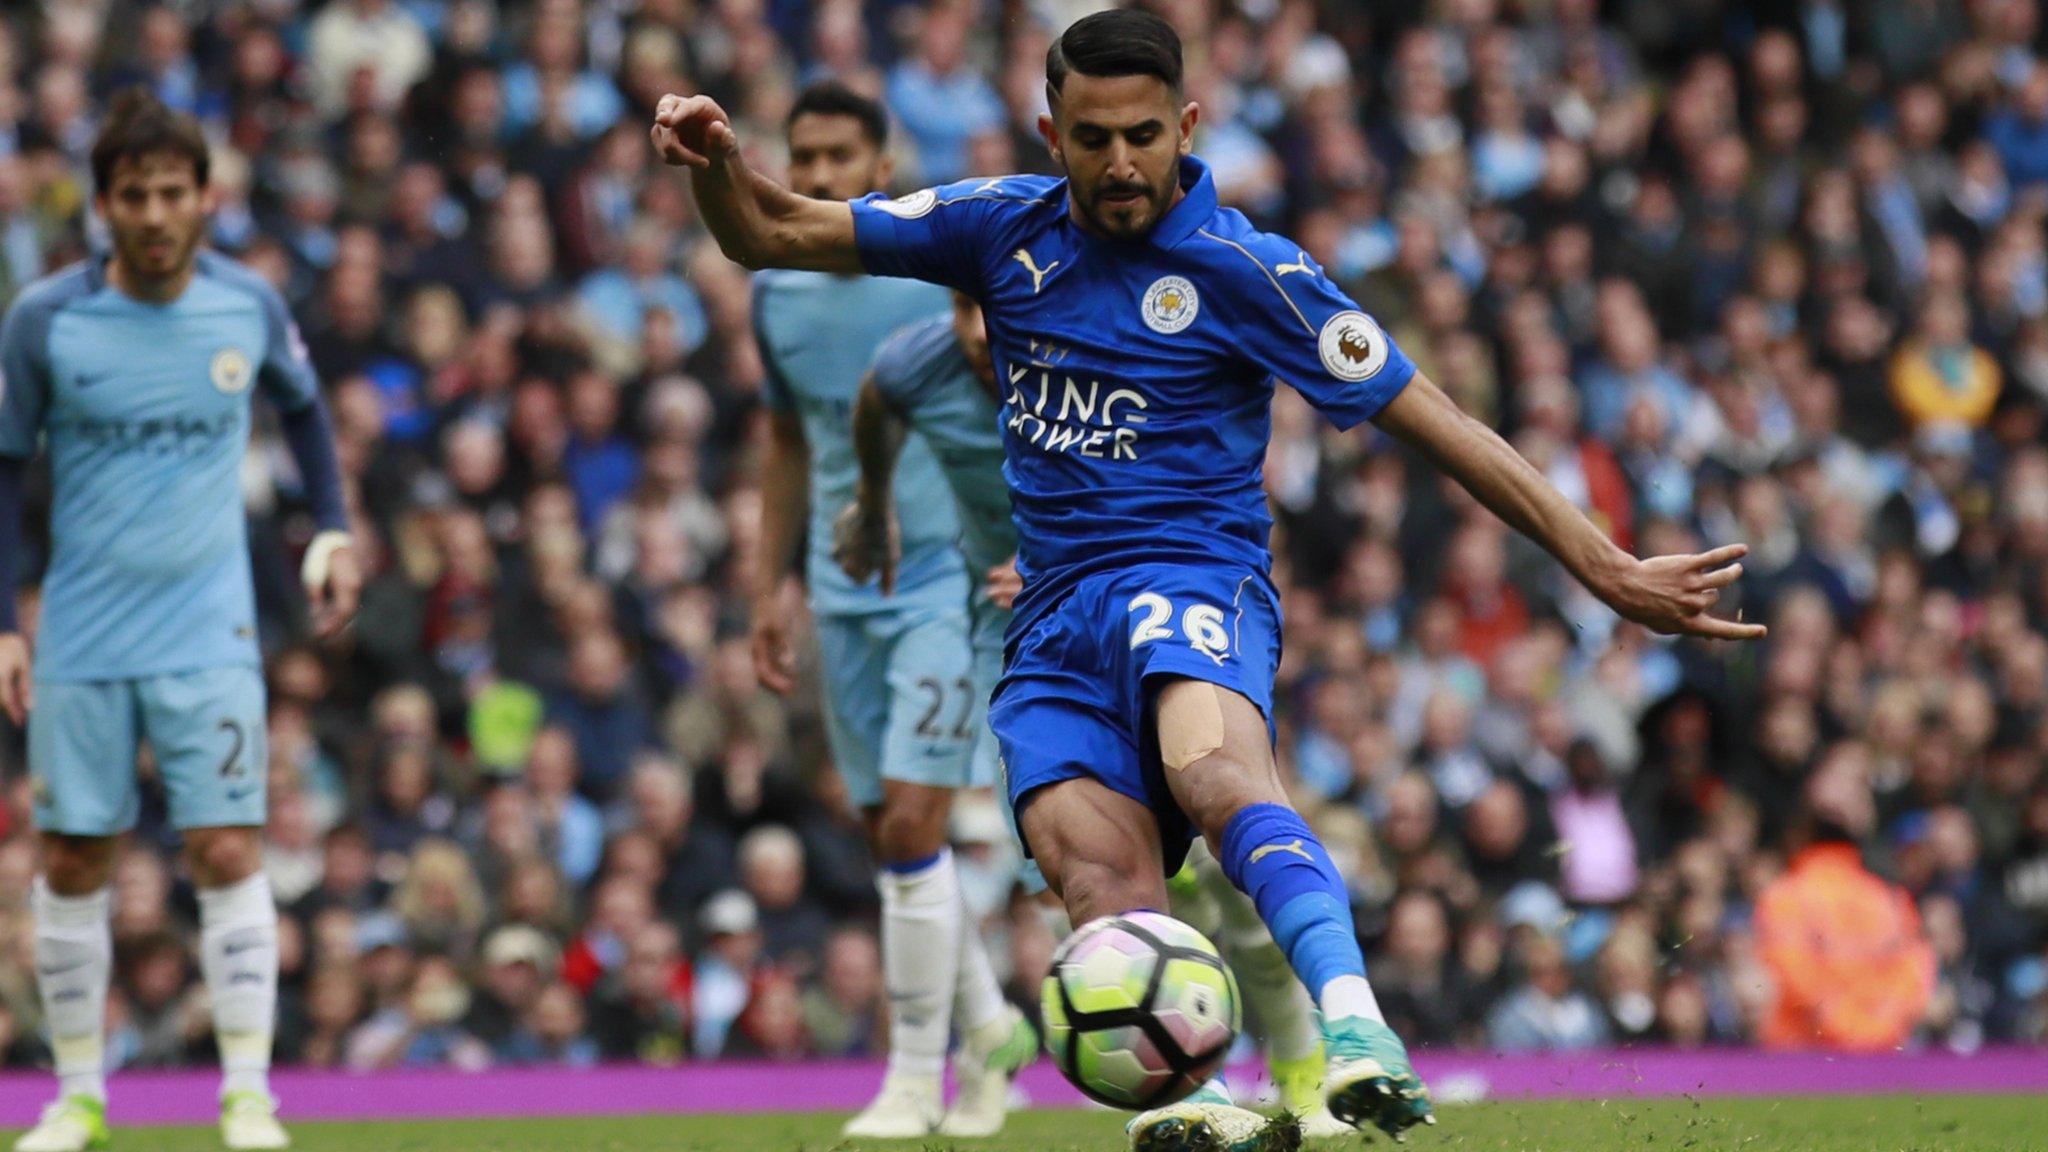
(223, 856)
(77, 865)
(1093, 889)
(912, 822)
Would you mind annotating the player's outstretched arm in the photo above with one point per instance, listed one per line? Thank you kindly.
(1669, 594)
(866, 540)
(758, 223)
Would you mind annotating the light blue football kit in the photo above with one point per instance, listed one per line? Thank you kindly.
(924, 377)
(148, 625)
(900, 696)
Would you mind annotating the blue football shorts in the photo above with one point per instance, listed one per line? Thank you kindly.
(1076, 698)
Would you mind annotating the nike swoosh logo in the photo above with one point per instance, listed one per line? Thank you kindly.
(61, 969)
(236, 948)
(1265, 850)
(241, 793)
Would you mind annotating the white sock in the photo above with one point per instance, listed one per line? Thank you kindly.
(921, 930)
(74, 961)
(977, 998)
(238, 954)
(1350, 996)
(1278, 1006)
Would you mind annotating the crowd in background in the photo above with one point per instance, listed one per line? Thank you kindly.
(1768, 272)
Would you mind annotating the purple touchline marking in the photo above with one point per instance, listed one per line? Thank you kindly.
(697, 1089)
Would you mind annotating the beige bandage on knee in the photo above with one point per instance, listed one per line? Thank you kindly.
(1190, 723)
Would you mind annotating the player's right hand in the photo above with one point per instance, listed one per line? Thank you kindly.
(692, 131)
(17, 688)
(1004, 584)
(866, 545)
(774, 655)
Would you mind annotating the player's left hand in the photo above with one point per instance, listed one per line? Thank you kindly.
(866, 545)
(334, 583)
(1675, 594)
(1004, 584)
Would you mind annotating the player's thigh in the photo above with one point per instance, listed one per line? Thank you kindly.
(853, 670)
(986, 627)
(82, 740)
(207, 730)
(934, 711)
(1216, 749)
(1098, 848)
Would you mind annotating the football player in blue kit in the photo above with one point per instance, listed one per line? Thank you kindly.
(1137, 329)
(135, 372)
(935, 379)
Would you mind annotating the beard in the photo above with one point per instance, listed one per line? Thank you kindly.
(1130, 219)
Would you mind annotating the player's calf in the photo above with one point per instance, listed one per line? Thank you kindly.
(1099, 849)
(921, 932)
(238, 958)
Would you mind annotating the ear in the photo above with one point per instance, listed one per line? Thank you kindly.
(1189, 117)
(885, 172)
(1051, 136)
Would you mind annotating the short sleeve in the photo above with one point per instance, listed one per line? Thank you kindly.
(935, 235)
(286, 375)
(776, 394)
(24, 378)
(1300, 327)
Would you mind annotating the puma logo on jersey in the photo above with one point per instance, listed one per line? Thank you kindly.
(995, 185)
(1301, 265)
(1265, 850)
(1038, 274)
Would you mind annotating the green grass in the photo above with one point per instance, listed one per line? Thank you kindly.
(1880, 1124)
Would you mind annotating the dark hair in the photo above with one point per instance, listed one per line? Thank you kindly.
(1118, 42)
(137, 125)
(831, 98)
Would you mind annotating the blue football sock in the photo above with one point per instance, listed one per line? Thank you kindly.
(1269, 852)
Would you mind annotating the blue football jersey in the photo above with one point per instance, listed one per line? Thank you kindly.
(925, 377)
(818, 334)
(144, 409)
(1136, 377)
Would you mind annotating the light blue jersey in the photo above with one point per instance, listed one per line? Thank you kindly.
(144, 409)
(925, 378)
(818, 333)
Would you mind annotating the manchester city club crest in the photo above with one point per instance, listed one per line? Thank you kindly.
(231, 370)
(1170, 305)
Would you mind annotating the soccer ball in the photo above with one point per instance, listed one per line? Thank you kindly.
(1139, 1010)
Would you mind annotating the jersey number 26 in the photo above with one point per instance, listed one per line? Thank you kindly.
(1201, 624)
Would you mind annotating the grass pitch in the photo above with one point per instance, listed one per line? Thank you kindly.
(1834, 1124)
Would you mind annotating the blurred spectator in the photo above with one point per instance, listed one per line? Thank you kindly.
(1850, 964)
(1545, 1011)
(942, 101)
(1939, 377)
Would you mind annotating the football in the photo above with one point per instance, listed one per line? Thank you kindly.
(1139, 1009)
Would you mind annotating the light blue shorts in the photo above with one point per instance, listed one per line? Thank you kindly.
(901, 700)
(206, 729)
